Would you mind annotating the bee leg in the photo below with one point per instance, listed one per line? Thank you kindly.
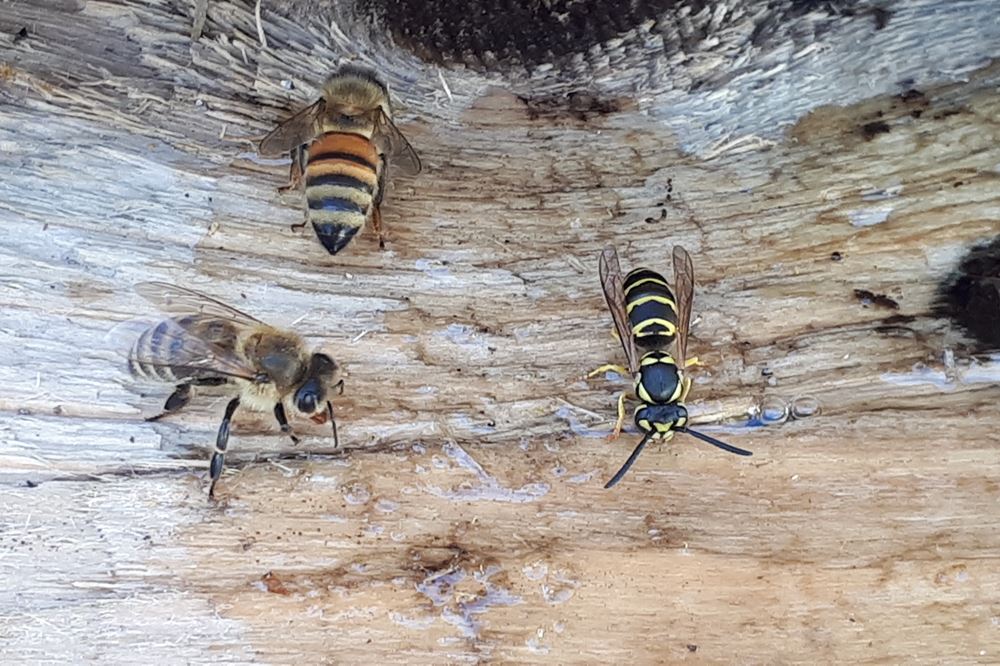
(279, 413)
(182, 395)
(294, 171)
(605, 368)
(377, 226)
(177, 400)
(221, 442)
(377, 203)
(621, 418)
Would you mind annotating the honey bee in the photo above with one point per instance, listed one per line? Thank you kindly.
(203, 342)
(341, 145)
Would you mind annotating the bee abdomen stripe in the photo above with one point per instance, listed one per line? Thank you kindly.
(339, 180)
(342, 156)
(339, 168)
(336, 204)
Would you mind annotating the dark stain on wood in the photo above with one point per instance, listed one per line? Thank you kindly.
(881, 16)
(871, 130)
(970, 297)
(868, 298)
(274, 584)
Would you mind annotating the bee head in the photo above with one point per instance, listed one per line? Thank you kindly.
(322, 376)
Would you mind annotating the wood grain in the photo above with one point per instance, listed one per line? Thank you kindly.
(465, 521)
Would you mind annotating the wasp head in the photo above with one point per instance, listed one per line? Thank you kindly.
(661, 420)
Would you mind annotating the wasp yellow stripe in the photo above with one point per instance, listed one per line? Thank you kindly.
(663, 300)
(670, 327)
(650, 280)
(653, 358)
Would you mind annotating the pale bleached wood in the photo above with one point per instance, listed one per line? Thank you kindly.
(868, 533)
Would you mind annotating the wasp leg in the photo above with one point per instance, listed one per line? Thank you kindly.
(279, 413)
(182, 395)
(685, 388)
(295, 171)
(692, 361)
(621, 418)
(613, 368)
(221, 442)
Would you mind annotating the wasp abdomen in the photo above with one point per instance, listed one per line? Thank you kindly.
(341, 179)
(651, 308)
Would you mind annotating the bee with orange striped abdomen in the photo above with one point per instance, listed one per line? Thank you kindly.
(341, 146)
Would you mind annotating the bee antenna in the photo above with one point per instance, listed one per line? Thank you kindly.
(714, 442)
(329, 411)
(631, 459)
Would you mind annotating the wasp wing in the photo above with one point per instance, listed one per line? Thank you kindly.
(179, 302)
(292, 133)
(191, 347)
(613, 285)
(684, 291)
(400, 155)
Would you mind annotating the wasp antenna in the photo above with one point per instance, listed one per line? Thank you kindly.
(628, 463)
(714, 442)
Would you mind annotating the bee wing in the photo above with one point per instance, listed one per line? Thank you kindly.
(613, 285)
(170, 344)
(390, 141)
(180, 302)
(684, 291)
(292, 133)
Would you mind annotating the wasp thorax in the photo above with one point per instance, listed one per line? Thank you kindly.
(659, 379)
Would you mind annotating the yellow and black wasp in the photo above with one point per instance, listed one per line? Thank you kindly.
(647, 316)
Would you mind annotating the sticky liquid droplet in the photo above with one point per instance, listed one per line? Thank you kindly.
(773, 411)
(804, 407)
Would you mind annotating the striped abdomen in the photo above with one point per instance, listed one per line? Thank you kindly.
(652, 311)
(342, 178)
(174, 349)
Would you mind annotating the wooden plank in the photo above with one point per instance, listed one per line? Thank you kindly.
(465, 520)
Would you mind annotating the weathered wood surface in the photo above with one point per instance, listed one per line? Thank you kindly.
(466, 521)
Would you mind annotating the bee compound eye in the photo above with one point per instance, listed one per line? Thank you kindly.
(306, 402)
